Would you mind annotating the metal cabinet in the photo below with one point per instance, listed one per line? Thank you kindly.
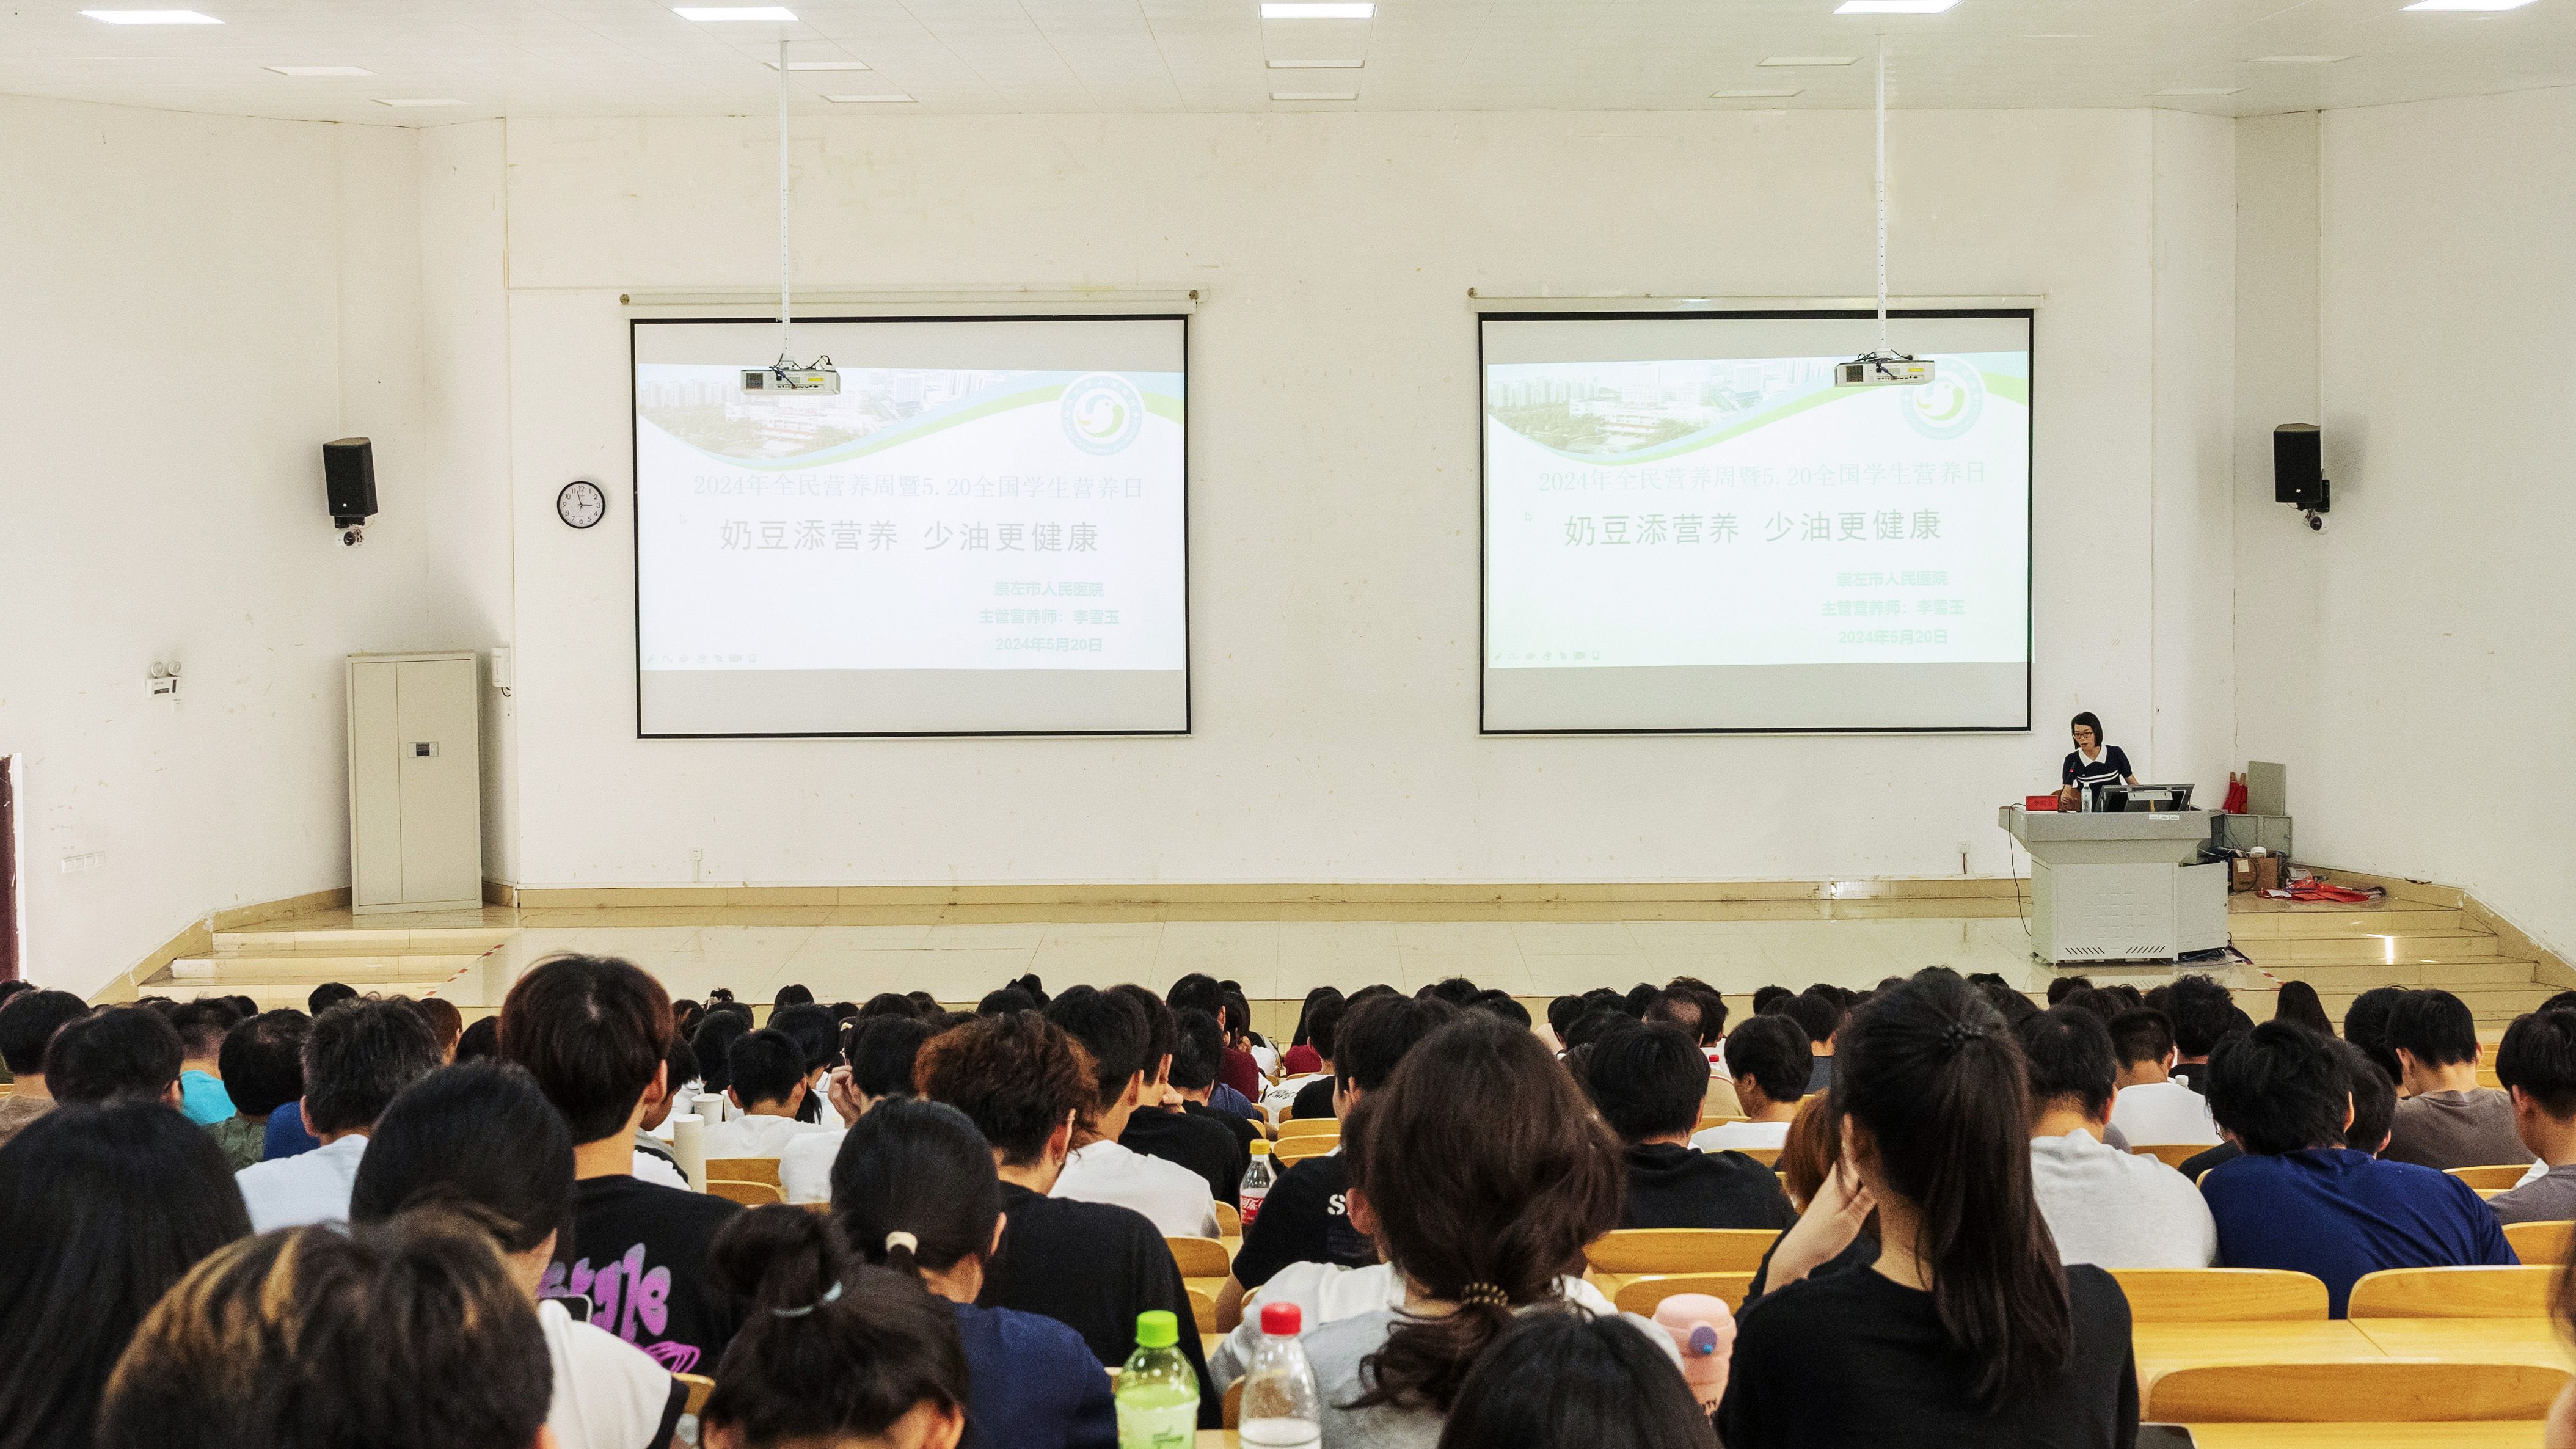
(415, 783)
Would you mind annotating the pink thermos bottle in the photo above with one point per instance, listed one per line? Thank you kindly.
(1704, 1331)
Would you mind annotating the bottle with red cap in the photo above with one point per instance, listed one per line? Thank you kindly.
(1281, 1409)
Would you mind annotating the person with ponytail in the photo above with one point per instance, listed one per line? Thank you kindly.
(1482, 1173)
(915, 1190)
(834, 1351)
(1966, 1330)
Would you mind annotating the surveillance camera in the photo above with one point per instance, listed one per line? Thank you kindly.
(349, 539)
(2317, 522)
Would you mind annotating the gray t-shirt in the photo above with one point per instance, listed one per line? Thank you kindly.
(2548, 1198)
(1335, 1351)
(2443, 1130)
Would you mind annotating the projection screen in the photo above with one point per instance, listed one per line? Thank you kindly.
(1689, 528)
(984, 532)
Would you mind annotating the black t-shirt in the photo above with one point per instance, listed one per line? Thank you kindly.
(639, 1254)
(1093, 1267)
(1315, 1099)
(1855, 1359)
(1681, 1187)
(1859, 1253)
(1305, 1219)
(2198, 1163)
(1203, 1147)
(1243, 1133)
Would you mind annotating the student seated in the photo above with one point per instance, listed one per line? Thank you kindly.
(595, 1032)
(1480, 1222)
(1820, 1013)
(1161, 1126)
(833, 1352)
(768, 1088)
(102, 1209)
(115, 1054)
(915, 1191)
(1308, 1094)
(1091, 1266)
(28, 1020)
(357, 1057)
(2300, 1199)
(407, 1333)
(1647, 1081)
(2202, 1012)
(1303, 1058)
(1966, 1330)
(2103, 1206)
(1101, 1169)
(2152, 1107)
(1558, 1380)
(2537, 1064)
(878, 1069)
(483, 1140)
(263, 1065)
(201, 1025)
(2445, 1119)
(1772, 1061)
(1198, 1044)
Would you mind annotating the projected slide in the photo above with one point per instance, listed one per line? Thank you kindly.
(983, 532)
(1689, 527)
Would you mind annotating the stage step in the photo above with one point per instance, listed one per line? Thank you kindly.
(2392, 920)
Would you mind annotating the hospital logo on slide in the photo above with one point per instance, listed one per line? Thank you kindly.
(1103, 412)
(1949, 405)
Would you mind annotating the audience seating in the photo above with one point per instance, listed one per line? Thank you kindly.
(2171, 1154)
(1233, 1419)
(2220, 1295)
(699, 1387)
(2329, 1393)
(1298, 1149)
(1311, 1127)
(2540, 1242)
(2501, 1175)
(1640, 1295)
(1715, 1119)
(1203, 1309)
(1201, 1257)
(1229, 1223)
(2453, 1293)
(1767, 1156)
(749, 1194)
(1680, 1250)
(744, 1169)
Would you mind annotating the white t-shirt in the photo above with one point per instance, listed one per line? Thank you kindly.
(1324, 1292)
(805, 1164)
(1176, 1198)
(2114, 1209)
(310, 1187)
(760, 1136)
(1726, 1135)
(609, 1394)
(2163, 1112)
(655, 1170)
(1280, 1098)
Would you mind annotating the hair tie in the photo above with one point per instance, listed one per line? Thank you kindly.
(1959, 1033)
(832, 1297)
(1484, 1294)
(902, 1240)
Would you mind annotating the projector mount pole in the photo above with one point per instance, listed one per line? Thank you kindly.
(1871, 369)
(785, 361)
(1882, 192)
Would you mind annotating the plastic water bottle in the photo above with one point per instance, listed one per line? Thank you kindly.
(1256, 1182)
(1158, 1392)
(1280, 1405)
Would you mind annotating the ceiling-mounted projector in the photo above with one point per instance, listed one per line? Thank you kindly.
(1882, 369)
(775, 381)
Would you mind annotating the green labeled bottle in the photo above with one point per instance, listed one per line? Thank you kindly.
(1158, 1393)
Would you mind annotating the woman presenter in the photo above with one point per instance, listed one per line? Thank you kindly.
(2092, 762)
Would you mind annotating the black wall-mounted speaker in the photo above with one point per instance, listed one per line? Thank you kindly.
(349, 480)
(2298, 464)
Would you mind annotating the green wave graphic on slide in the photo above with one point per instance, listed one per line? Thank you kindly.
(1999, 385)
(1161, 405)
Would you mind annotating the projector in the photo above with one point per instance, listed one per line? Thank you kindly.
(1882, 369)
(775, 381)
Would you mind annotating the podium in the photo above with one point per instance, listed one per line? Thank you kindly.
(2120, 886)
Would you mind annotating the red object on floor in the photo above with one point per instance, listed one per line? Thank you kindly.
(2320, 891)
(2037, 803)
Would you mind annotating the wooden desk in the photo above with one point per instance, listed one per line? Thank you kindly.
(2469, 1340)
(2163, 1347)
(2365, 1436)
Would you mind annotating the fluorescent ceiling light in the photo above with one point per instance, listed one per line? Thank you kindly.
(733, 12)
(1314, 95)
(151, 17)
(1310, 10)
(819, 64)
(319, 69)
(1750, 95)
(2468, 4)
(1893, 7)
(1808, 60)
(2299, 59)
(405, 102)
(2200, 90)
(1317, 65)
(890, 97)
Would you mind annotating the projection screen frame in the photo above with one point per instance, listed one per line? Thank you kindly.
(635, 532)
(2030, 493)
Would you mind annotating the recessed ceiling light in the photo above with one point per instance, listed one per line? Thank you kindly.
(889, 98)
(2468, 4)
(733, 12)
(2200, 90)
(409, 101)
(1893, 7)
(819, 64)
(151, 17)
(1750, 95)
(319, 69)
(1808, 60)
(2299, 59)
(1318, 65)
(1310, 10)
(1314, 95)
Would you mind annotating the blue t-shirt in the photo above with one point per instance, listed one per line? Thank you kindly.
(2338, 1214)
(1227, 1099)
(286, 1134)
(1032, 1384)
(203, 1099)
(2110, 769)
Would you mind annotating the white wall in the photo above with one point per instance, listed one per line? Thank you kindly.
(194, 305)
(1334, 486)
(2412, 664)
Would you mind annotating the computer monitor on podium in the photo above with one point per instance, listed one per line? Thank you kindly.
(2142, 799)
